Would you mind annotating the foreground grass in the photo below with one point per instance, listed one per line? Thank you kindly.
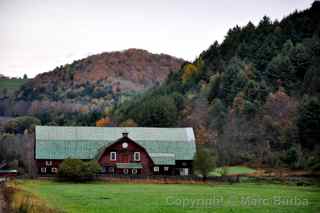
(129, 198)
(18, 200)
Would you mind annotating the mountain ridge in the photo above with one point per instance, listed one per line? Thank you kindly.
(96, 82)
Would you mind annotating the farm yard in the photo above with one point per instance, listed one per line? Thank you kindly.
(129, 198)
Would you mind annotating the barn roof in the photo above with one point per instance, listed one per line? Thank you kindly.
(164, 145)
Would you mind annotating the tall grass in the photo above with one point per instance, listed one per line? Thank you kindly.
(20, 201)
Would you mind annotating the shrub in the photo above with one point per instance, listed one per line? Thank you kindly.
(90, 169)
(78, 170)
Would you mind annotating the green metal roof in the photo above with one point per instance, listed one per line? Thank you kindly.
(164, 145)
(129, 165)
(163, 158)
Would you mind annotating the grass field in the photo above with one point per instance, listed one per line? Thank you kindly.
(11, 84)
(140, 198)
(233, 170)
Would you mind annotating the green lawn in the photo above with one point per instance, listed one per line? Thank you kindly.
(140, 198)
(233, 170)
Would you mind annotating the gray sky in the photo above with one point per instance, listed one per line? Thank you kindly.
(38, 35)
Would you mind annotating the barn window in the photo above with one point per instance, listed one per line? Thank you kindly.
(166, 168)
(134, 171)
(113, 156)
(43, 170)
(136, 156)
(125, 171)
(184, 171)
(48, 163)
(111, 169)
(156, 169)
(54, 170)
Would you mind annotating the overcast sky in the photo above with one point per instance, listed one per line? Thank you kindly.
(38, 35)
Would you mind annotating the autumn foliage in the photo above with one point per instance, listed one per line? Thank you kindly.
(280, 108)
(188, 72)
(103, 122)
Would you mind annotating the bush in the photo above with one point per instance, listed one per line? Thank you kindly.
(90, 169)
(78, 170)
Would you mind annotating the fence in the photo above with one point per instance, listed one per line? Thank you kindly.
(230, 179)
(197, 179)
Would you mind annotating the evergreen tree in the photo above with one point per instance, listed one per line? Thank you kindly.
(217, 115)
(156, 112)
(309, 122)
(215, 87)
(233, 79)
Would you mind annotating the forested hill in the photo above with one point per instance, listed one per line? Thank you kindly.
(254, 97)
(90, 85)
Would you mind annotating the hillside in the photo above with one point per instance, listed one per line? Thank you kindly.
(129, 70)
(254, 98)
(94, 83)
(8, 85)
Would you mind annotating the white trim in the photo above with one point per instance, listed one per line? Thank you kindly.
(43, 169)
(166, 168)
(125, 171)
(162, 155)
(184, 171)
(48, 162)
(190, 134)
(111, 156)
(54, 170)
(136, 156)
(156, 169)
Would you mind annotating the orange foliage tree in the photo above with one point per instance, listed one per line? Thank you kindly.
(189, 71)
(103, 122)
(280, 108)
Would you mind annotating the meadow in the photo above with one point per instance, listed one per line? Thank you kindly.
(232, 170)
(129, 198)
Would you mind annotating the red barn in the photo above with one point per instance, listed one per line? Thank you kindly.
(128, 151)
